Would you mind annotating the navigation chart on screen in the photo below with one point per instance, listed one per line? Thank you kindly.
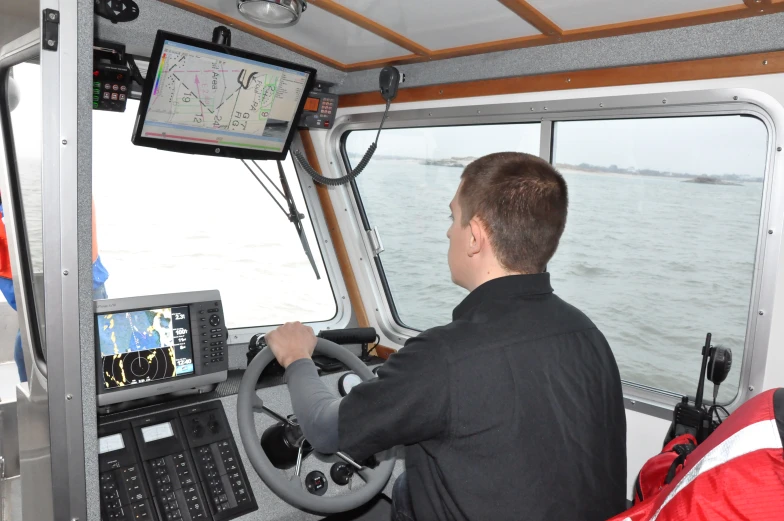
(207, 97)
(144, 346)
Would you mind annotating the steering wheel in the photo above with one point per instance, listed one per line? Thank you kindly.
(293, 491)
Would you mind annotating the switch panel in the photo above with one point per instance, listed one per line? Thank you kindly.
(180, 465)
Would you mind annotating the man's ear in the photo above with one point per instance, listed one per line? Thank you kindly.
(478, 237)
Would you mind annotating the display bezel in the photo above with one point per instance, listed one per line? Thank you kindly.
(205, 149)
(102, 389)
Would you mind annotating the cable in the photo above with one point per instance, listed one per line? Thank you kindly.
(330, 181)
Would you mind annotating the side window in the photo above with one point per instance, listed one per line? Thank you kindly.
(26, 120)
(405, 192)
(169, 222)
(660, 243)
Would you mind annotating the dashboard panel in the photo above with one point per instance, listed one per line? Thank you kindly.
(269, 506)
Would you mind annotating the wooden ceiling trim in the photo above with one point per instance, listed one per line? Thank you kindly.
(588, 33)
(758, 4)
(727, 67)
(255, 31)
(376, 64)
(369, 25)
(720, 14)
(533, 16)
(422, 54)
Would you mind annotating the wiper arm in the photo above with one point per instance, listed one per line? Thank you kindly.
(296, 218)
(293, 214)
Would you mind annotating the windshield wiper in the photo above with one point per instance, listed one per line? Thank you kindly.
(292, 214)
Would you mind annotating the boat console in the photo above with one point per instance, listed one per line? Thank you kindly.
(181, 464)
(171, 411)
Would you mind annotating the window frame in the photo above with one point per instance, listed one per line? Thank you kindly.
(22, 50)
(695, 103)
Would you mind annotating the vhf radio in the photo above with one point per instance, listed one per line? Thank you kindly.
(111, 76)
(693, 418)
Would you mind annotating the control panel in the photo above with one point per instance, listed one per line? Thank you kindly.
(150, 346)
(210, 334)
(320, 108)
(180, 465)
(110, 87)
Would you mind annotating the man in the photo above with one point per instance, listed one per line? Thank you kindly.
(514, 410)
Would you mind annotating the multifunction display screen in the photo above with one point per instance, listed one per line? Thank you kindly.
(144, 346)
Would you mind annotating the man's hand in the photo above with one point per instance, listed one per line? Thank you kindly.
(291, 342)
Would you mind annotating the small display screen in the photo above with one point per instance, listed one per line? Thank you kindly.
(204, 97)
(144, 346)
(312, 104)
(110, 443)
(157, 432)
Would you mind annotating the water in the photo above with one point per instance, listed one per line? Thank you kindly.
(656, 263)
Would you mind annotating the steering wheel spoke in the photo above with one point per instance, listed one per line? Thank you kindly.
(291, 488)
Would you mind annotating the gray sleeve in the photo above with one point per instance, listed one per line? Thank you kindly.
(314, 405)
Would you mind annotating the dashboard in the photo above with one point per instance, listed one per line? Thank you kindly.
(181, 459)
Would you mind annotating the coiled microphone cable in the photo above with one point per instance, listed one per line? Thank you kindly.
(339, 181)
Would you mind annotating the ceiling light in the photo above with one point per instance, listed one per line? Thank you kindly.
(272, 13)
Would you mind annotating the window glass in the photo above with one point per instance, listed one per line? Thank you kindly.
(406, 190)
(660, 243)
(169, 222)
(26, 123)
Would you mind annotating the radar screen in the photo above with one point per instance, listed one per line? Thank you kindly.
(144, 346)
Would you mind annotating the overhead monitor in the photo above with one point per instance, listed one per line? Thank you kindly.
(204, 98)
(148, 346)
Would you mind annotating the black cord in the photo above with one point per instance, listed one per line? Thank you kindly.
(330, 181)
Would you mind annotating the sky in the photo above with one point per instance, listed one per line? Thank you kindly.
(712, 145)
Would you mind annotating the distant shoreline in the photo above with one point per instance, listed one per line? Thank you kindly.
(720, 180)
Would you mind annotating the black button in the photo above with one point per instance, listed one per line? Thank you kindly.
(170, 497)
(107, 477)
(214, 320)
(203, 319)
(201, 312)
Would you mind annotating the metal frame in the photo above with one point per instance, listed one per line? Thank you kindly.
(62, 92)
(690, 103)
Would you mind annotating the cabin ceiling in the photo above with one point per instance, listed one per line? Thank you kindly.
(352, 35)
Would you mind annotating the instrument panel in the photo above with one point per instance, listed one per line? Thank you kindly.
(179, 465)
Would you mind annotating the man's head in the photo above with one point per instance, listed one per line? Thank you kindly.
(508, 215)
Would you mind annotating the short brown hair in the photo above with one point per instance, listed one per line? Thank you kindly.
(522, 200)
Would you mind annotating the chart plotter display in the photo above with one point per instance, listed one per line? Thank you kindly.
(144, 346)
(207, 99)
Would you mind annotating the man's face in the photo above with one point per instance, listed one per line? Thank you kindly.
(459, 241)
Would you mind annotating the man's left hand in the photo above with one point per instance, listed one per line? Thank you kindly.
(291, 342)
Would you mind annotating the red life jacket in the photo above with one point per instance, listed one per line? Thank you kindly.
(736, 473)
(660, 470)
(5, 259)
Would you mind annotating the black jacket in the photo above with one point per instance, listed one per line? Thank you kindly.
(514, 411)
